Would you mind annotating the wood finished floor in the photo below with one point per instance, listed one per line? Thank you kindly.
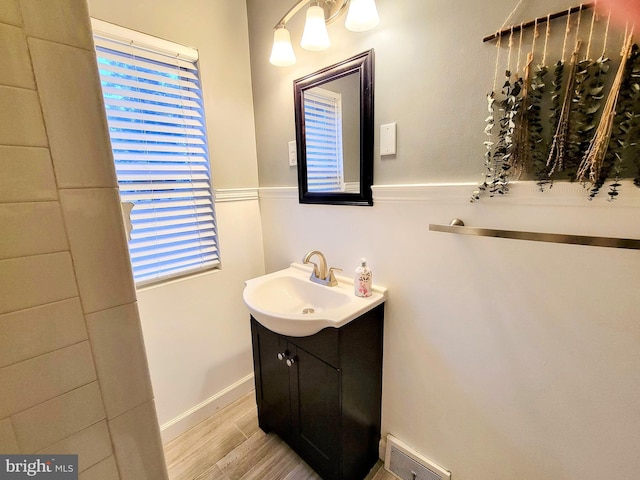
(230, 446)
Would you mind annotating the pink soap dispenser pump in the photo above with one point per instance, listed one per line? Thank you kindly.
(362, 280)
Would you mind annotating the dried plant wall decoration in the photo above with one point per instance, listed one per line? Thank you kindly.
(568, 121)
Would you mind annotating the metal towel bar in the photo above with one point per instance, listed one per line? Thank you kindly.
(457, 226)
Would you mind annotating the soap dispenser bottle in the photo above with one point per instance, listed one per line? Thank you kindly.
(362, 280)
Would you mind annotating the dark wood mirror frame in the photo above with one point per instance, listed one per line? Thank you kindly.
(363, 65)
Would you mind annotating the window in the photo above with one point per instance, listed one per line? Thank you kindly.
(155, 114)
(323, 136)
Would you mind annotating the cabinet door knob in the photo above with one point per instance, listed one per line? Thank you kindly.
(291, 361)
(282, 356)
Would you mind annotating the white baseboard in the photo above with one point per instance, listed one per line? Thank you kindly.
(204, 410)
(382, 448)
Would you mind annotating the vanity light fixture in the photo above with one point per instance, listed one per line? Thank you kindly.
(315, 36)
(361, 16)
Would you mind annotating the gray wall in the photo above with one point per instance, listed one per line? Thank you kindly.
(432, 73)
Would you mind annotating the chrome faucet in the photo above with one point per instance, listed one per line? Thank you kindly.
(320, 274)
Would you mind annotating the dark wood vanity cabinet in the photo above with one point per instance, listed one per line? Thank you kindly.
(322, 393)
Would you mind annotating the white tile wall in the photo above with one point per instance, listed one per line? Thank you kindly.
(118, 349)
(61, 21)
(31, 332)
(27, 175)
(104, 470)
(10, 12)
(21, 120)
(8, 442)
(16, 71)
(92, 445)
(23, 225)
(58, 418)
(38, 379)
(94, 226)
(135, 444)
(63, 258)
(73, 112)
(31, 281)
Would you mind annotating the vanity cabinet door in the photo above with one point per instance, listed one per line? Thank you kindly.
(315, 412)
(272, 380)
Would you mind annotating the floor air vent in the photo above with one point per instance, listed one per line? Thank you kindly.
(407, 464)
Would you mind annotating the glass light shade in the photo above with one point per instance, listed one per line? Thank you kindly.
(282, 52)
(362, 15)
(315, 36)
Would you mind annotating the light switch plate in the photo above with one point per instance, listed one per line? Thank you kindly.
(388, 139)
(293, 154)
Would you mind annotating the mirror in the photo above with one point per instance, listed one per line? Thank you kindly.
(334, 133)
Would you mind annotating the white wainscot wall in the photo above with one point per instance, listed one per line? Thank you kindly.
(196, 329)
(504, 359)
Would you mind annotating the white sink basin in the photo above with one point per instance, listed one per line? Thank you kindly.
(287, 302)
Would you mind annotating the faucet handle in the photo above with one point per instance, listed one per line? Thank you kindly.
(316, 272)
(332, 277)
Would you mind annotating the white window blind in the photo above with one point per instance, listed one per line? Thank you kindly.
(155, 114)
(323, 137)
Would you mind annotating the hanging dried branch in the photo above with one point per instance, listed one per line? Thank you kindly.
(632, 112)
(592, 101)
(537, 144)
(557, 155)
(580, 79)
(579, 120)
(556, 97)
(626, 127)
(587, 102)
(592, 163)
(521, 160)
(502, 156)
(488, 163)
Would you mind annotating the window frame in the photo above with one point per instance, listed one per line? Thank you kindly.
(165, 151)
